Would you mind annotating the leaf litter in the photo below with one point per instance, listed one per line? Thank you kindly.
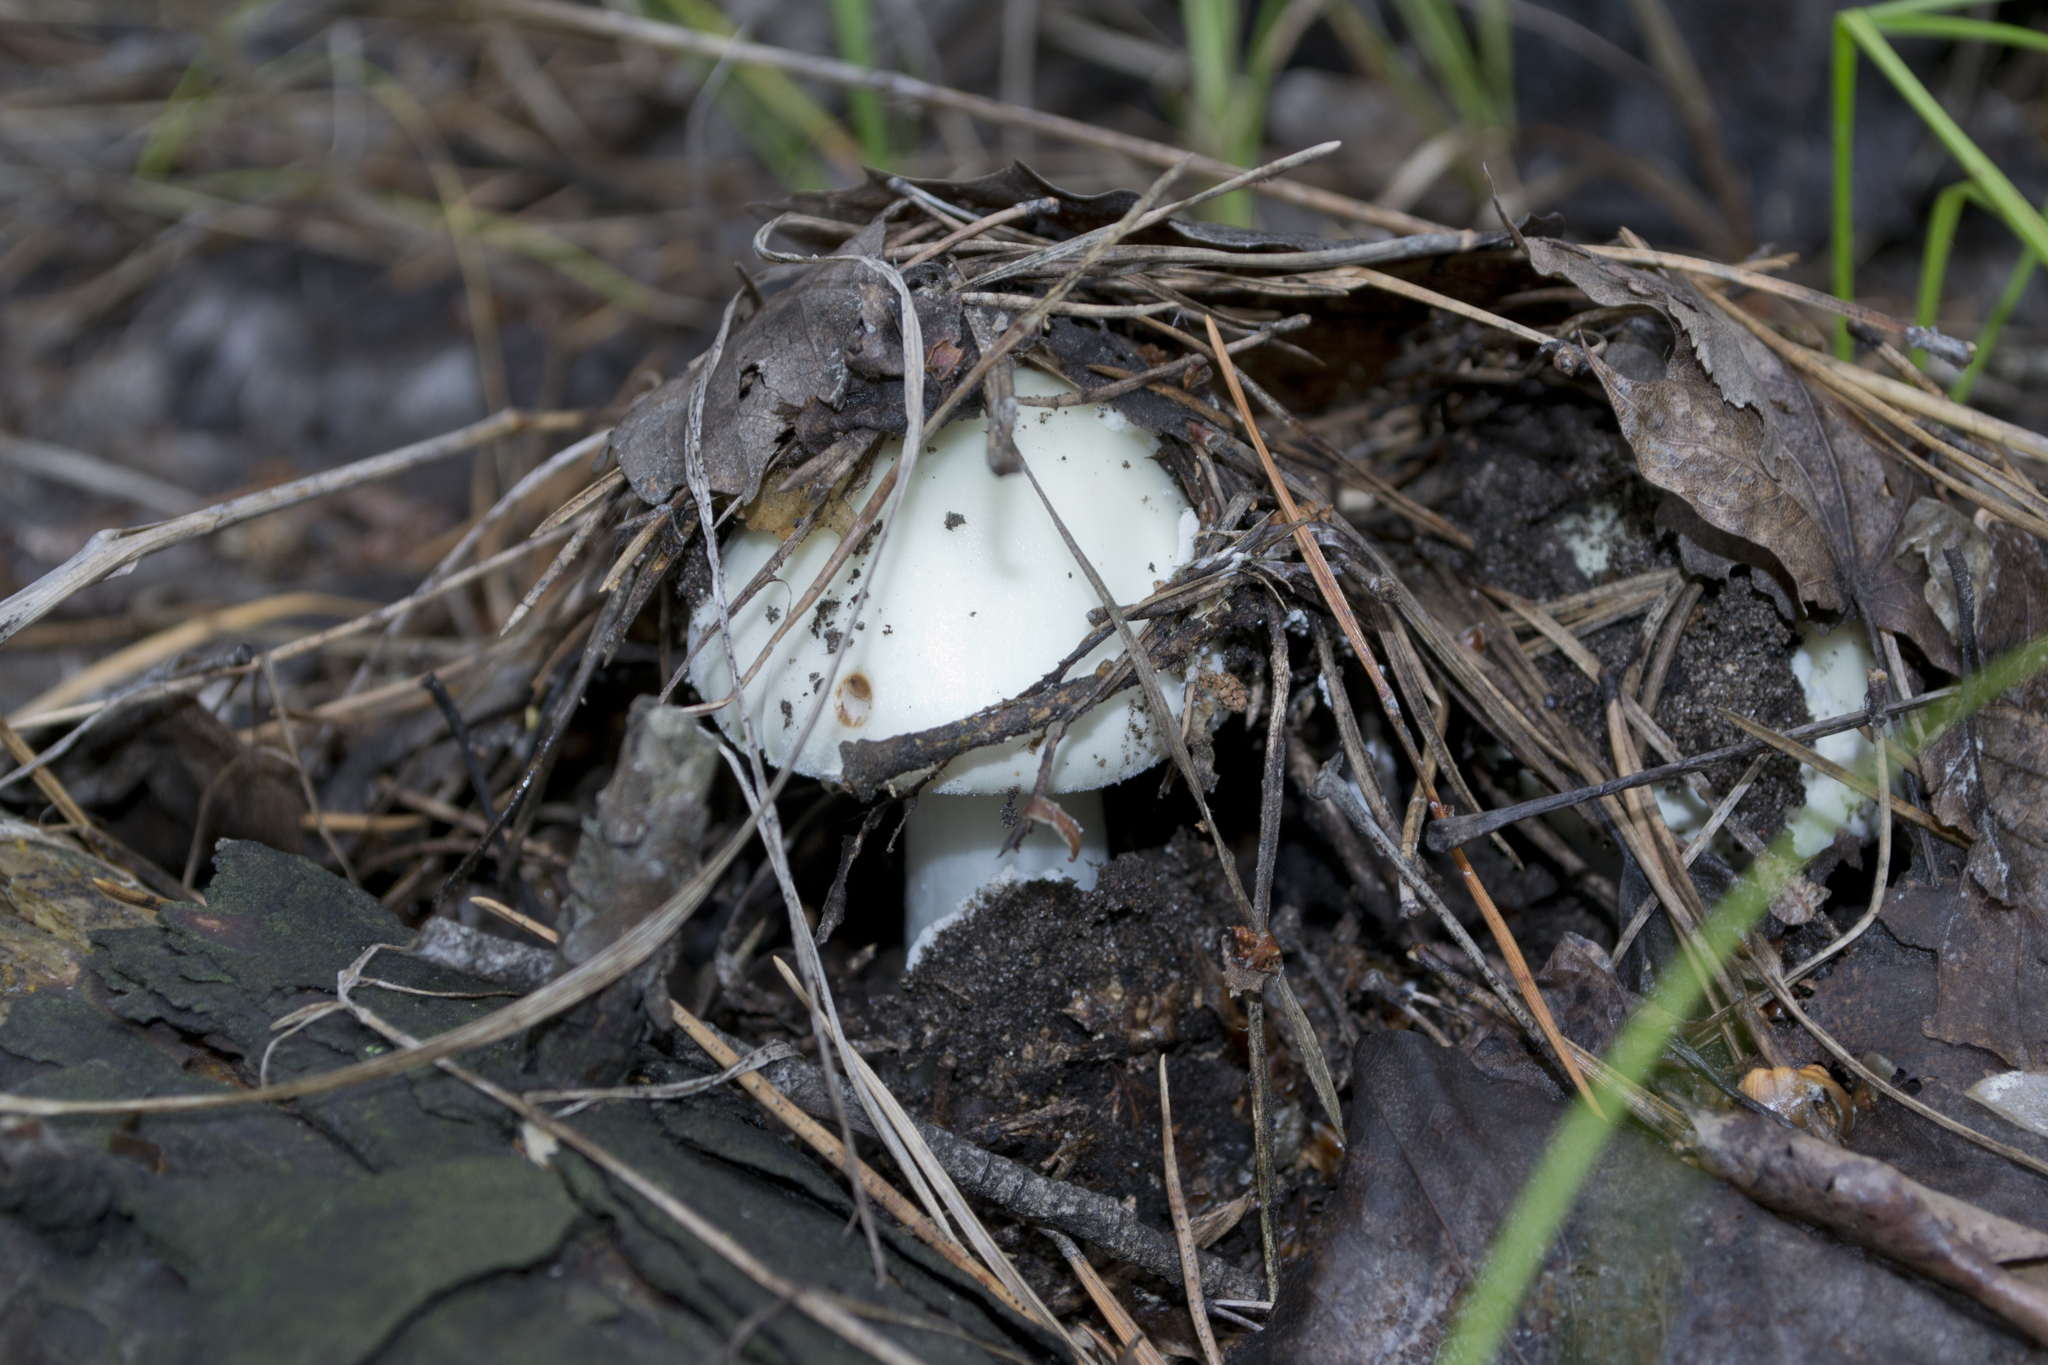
(1560, 581)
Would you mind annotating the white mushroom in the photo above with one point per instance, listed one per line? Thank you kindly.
(978, 598)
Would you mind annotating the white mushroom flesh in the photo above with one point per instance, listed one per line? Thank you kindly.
(978, 598)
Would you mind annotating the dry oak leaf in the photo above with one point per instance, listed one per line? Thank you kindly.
(1990, 775)
(1759, 455)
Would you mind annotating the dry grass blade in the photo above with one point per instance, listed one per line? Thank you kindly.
(1391, 285)
(146, 654)
(108, 552)
(1769, 284)
(45, 780)
(893, 1116)
(513, 917)
(1340, 607)
(291, 752)
(1905, 810)
(1459, 829)
(672, 38)
(1183, 1232)
(1136, 1347)
(614, 962)
(833, 1150)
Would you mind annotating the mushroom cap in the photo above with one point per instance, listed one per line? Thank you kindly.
(977, 599)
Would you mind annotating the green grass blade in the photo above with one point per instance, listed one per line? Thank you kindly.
(1844, 245)
(1897, 7)
(1440, 34)
(1227, 111)
(1987, 336)
(1497, 58)
(1965, 31)
(1547, 1197)
(785, 126)
(2006, 202)
(854, 23)
(1377, 56)
(1934, 257)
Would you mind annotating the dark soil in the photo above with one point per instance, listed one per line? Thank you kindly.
(1035, 1025)
(1527, 479)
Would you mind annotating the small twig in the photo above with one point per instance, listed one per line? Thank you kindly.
(110, 551)
(511, 916)
(479, 782)
(1334, 597)
(1447, 832)
(981, 225)
(827, 1145)
(1905, 810)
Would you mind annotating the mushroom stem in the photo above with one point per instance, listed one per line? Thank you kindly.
(952, 848)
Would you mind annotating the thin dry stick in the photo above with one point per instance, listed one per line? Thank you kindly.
(1392, 285)
(1765, 284)
(888, 1114)
(1183, 1231)
(981, 225)
(1312, 554)
(1905, 810)
(172, 641)
(1136, 1346)
(511, 916)
(1839, 372)
(46, 781)
(674, 38)
(827, 1145)
(306, 644)
(110, 551)
(1692, 851)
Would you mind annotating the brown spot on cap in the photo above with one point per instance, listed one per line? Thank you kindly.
(856, 700)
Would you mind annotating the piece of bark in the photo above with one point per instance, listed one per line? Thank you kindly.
(645, 841)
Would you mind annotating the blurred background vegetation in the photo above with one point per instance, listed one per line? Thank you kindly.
(243, 240)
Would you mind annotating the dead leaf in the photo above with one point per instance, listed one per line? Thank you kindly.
(1992, 968)
(821, 360)
(1249, 959)
(1933, 528)
(1759, 455)
(1999, 791)
(1656, 1262)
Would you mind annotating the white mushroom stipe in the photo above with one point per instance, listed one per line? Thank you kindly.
(977, 598)
(949, 850)
(1835, 671)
